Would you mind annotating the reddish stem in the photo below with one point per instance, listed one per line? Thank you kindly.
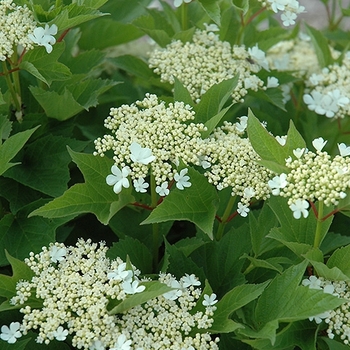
(63, 35)
(218, 218)
(330, 214)
(314, 209)
(256, 14)
(233, 215)
(141, 205)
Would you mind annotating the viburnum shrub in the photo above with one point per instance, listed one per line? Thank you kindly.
(174, 175)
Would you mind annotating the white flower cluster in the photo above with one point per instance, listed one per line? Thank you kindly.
(330, 90)
(338, 320)
(297, 56)
(16, 22)
(207, 61)
(149, 134)
(233, 164)
(289, 8)
(76, 284)
(167, 322)
(313, 176)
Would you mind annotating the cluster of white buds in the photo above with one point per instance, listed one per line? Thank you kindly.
(297, 56)
(151, 135)
(338, 320)
(16, 23)
(74, 286)
(289, 9)
(234, 164)
(313, 176)
(207, 61)
(329, 90)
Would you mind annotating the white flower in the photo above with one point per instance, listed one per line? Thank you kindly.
(120, 274)
(319, 318)
(272, 82)
(10, 334)
(342, 195)
(209, 300)
(314, 101)
(344, 150)
(299, 207)
(312, 282)
(242, 125)
(178, 3)
(97, 345)
(57, 254)
(298, 152)
(258, 56)
(288, 18)
(338, 98)
(44, 37)
(281, 140)
(203, 163)
(132, 287)
(248, 192)
(319, 143)
(243, 209)
(182, 179)
(211, 27)
(140, 185)
(118, 179)
(278, 5)
(60, 333)
(190, 280)
(140, 154)
(278, 182)
(175, 293)
(329, 289)
(122, 343)
(163, 190)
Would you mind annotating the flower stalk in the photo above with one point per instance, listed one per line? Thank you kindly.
(225, 218)
(318, 232)
(155, 226)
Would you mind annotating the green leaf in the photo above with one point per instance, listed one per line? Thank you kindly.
(181, 93)
(242, 5)
(109, 33)
(179, 264)
(292, 230)
(20, 234)
(196, 204)
(214, 99)
(11, 147)
(5, 126)
(93, 196)
(286, 300)
(340, 260)
(232, 301)
(73, 15)
(156, 26)
(45, 67)
(153, 290)
(38, 171)
(268, 147)
(223, 266)
(19, 345)
(259, 228)
(59, 106)
(321, 47)
(138, 253)
(79, 95)
(331, 274)
(212, 8)
(214, 121)
(300, 334)
(135, 66)
(20, 271)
